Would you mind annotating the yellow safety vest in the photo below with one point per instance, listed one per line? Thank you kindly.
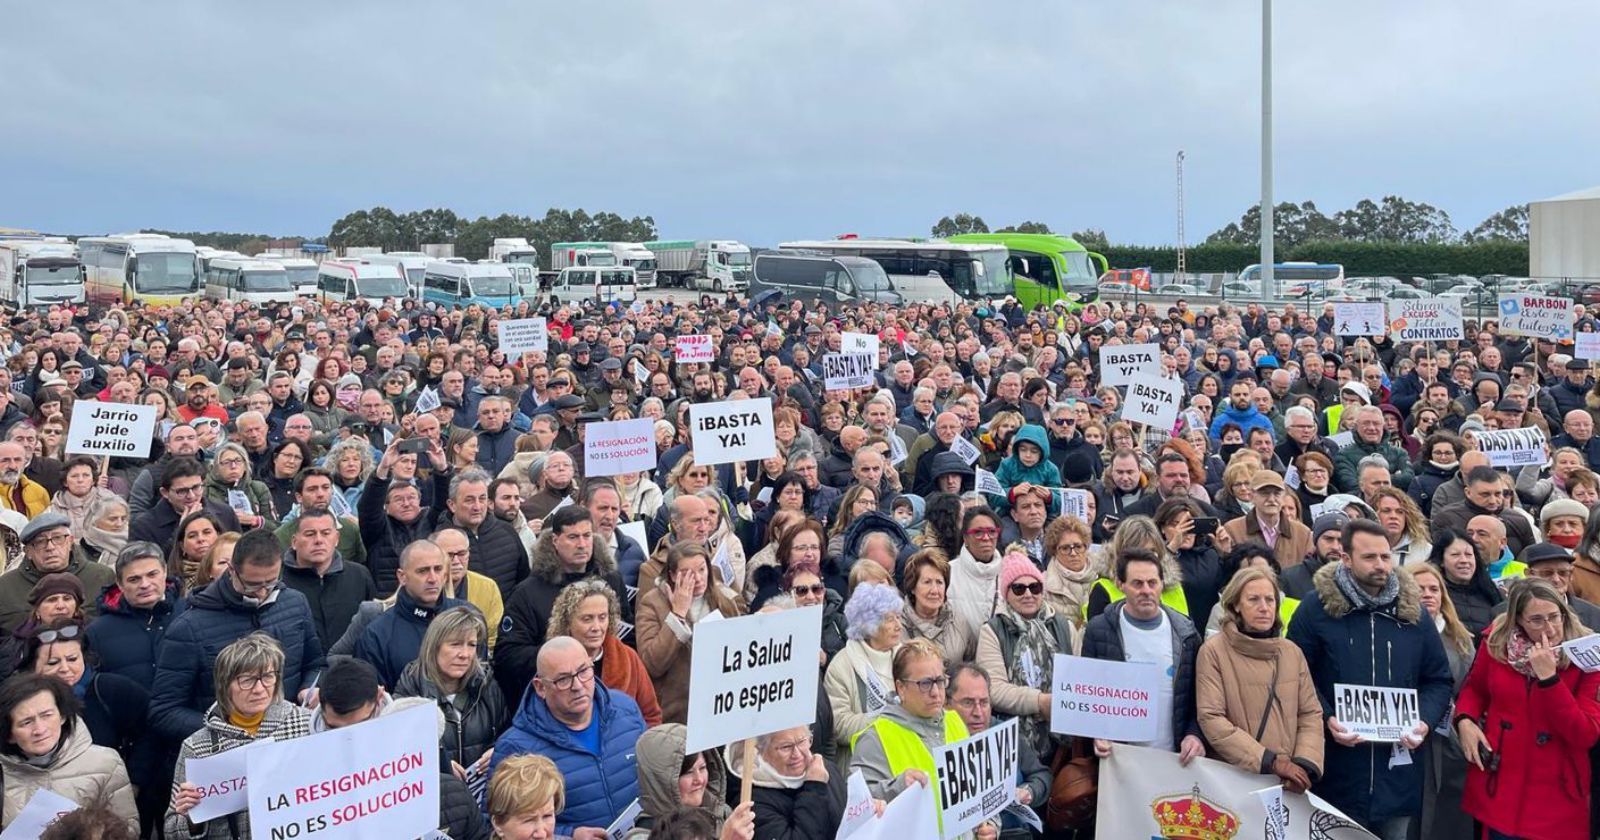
(1513, 569)
(905, 749)
(1286, 612)
(1173, 597)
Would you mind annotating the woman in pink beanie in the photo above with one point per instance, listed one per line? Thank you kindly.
(1018, 647)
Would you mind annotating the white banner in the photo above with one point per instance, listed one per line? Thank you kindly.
(118, 429)
(1513, 447)
(373, 781)
(913, 814)
(1120, 364)
(1154, 402)
(858, 808)
(844, 371)
(753, 675)
(1426, 319)
(734, 430)
(523, 335)
(964, 448)
(1146, 793)
(1584, 652)
(40, 813)
(1355, 318)
(987, 482)
(1101, 698)
(1537, 316)
(977, 777)
(1586, 345)
(860, 343)
(1374, 712)
(694, 348)
(221, 779)
(621, 446)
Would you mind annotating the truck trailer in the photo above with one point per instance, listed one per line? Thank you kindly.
(630, 254)
(720, 265)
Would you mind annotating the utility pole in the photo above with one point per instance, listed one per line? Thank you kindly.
(1183, 256)
(1268, 282)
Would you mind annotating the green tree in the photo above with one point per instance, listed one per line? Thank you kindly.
(430, 226)
(1508, 225)
(1293, 224)
(1395, 219)
(961, 223)
(1026, 227)
(474, 238)
(1092, 238)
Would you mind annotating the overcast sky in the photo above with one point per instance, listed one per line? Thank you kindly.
(774, 121)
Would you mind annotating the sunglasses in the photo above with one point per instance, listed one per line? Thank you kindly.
(813, 589)
(64, 634)
(1035, 588)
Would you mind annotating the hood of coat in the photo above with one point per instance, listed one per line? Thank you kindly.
(870, 522)
(546, 564)
(763, 774)
(77, 743)
(1035, 435)
(1408, 608)
(660, 756)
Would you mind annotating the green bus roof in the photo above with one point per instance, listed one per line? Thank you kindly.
(1040, 243)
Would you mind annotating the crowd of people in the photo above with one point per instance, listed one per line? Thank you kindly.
(349, 510)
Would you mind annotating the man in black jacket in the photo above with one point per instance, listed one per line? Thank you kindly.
(1485, 496)
(312, 566)
(183, 491)
(1298, 581)
(497, 553)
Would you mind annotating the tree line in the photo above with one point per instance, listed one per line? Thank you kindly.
(382, 227)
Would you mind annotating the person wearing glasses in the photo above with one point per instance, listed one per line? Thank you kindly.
(47, 548)
(183, 491)
(859, 679)
(1018, 648)
(249, 706)
(975, 572)
(969, 694)
(591, 733)
(798, 794)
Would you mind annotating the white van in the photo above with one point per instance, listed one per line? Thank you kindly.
(601, 284)
(346, 279)
(245, 279)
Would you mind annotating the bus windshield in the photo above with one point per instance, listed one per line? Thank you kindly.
(414, 276)
(302, 276)
(53, 275)
(165, 273)
(380, 287)
(995, 281)
(870, 277)
(1081, 275)
(265, 281)
(490, 287)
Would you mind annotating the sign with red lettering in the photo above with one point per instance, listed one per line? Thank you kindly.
(373, 781)
(1536, 316)
(1099, 698)
(623, 446)
(694, 348)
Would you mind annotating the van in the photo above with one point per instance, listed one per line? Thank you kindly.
(453, 284)
(603, 285)
(816, 278)
(348, 279)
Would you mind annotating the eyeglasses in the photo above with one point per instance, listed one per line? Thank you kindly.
(1063, 421)
(928, 685)
(1035, 588)
(52, 542)
(245, 682)
(793, 748)
(805, 591)
(1071, 548)
(581, 677)
(64, 634)
(970, 703)
(230, 462)
(186, 491)
(1548, 620)
(1562, 573)
(983, 533)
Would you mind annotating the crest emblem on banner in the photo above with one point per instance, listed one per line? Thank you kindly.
(1190, 816)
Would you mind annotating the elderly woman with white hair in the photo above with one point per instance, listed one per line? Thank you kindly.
(860, 678)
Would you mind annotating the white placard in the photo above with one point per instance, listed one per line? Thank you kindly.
(427, 400)
(1101, 698)
(635, 531)
(1376, 713)
(1072, 502)
(964, 448)
(844, 371)
(240, 501)
(987, 482)
(897, 451)
(119, 429)
(1536, 316)
(1356, 318)
(1121, 364)
(373, 781)
(624, 822)
(1426, 319)
(753, 675)
(40, 813)
(1586, 345)
(912, 814)
(1153, 401)
(851, 342)
(733, 430)
(724, 563)
(221, 780)
(521, 335)
(1584, 652)
(620, 446)
(690, 349)
(641, 374)
(1512, 447)
(977, 777)
(1277, 813)
(858, 808)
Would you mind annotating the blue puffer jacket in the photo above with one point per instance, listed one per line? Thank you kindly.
(394, 638)
(1250, 418)
(1396, 647)
(127, 640)
(218, 616)
(598, 786)
(1011, 472)
(631, 557)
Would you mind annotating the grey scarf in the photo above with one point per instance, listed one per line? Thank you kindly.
(1384, 601)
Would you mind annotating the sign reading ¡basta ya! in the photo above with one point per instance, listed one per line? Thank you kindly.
(736, 430)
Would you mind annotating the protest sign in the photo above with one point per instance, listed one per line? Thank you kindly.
(121, 429)
(977, 777)
(624, 822)
(912, 814)
(860, 343)
(1277, 813)
(897, 451)
(1513, 447)
(221, 780)
(621, 446)
(1376, 713)
(1586, 345)
(844, 371)
(1153, 401)
(735, 430)
(752, 675)
(40, 813)
(635, 531)
(1359, 318)
(1426, 319)
(522, 335)
(1145, 792)
(963, 447)
(987, 482)
(1102, 698)
(1120, 364)
(1536, 316)
(373, 781)
(641, 374)
(694, 348)
(858, 808)
(723, 563)
(1071, 501)
(427, 400)
(1584, 652)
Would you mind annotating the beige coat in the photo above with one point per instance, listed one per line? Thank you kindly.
(667, 649)
(1233, 685)
(82, 772)
(1068, 592)
(1008, 698)
(843, 686)
(1294, 538)
(956, 639)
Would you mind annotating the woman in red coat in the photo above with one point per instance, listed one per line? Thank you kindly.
(1527, 717)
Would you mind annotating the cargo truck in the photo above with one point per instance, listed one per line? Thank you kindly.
(514, 250)
(630, 254)
(721, 265)
(39, 272)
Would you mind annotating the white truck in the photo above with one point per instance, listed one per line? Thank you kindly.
(514, 250)
(39, 272)
(721, 265)
(630, 254)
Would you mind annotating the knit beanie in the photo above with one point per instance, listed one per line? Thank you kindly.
(1016, 567)
(1328, 522)
(56, 583)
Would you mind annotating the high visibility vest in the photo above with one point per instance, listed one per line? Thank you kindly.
(1173, 597)
(1513, 569)
(1286, 611)
(905, 749)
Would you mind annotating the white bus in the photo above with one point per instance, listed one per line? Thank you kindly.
(36, 272)
(931, 271)
(412, 264)
(148, 267)
(253, 281)
(348, 279)
(1297, 279)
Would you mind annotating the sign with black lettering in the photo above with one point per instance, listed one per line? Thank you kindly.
(1376, 713)
(1426, 319)
(1120, 364)
(102, 428)
(977, 778)
(1536, 316)
(1153, 401)
(844, 371)
(1584, 652)
(1513, 447)
(523, 335)
(735, 430)
(753, 675)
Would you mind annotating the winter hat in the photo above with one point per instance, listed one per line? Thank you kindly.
(1359, 389)
(56, 583)
(1077, 469)
(1016, 567)
(1563, 507)
(1328, 522)
(1473, 423)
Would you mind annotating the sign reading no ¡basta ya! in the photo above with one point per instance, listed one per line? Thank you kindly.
(844, 371)
(1513, 447)
(752, 675)
(1119, 364)
(734, 430)
(120, 429)
(1154, 402)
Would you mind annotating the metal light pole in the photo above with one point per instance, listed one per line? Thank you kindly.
(1183, 261)
(1268, 282)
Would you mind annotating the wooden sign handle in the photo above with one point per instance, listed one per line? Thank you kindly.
(747, 773)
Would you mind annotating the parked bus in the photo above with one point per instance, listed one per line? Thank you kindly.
(148, 267)
(486, 284)
(932, 271)
(412, 264)
(36, 272)
(248, 280)
(347, 279)
(302, 273)
(814, 278)
(1046, 268)
(1296, 279)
